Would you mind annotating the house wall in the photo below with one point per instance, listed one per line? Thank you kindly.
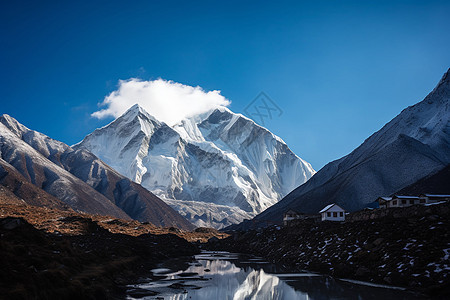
(331, 211)
(399, 202)
(382, 204)
(403, 202)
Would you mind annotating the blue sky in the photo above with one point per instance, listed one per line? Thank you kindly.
(339, 70)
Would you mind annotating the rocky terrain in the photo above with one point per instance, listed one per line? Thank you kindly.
(407, 249)
(54, 254)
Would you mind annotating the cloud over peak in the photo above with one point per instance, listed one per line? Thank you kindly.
(167, 101)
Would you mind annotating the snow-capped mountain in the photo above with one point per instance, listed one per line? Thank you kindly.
(216, 168)
(63, 176)
(411, 146)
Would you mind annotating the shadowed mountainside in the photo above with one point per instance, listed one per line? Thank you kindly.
(438, 183)
(413, 145)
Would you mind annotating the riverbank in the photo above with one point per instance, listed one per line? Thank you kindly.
(53, 254)
(93, 265)
(410, 251)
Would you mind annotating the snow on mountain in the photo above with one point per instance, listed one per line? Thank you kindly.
(76, 177)
(54, 180)
(413, 145)
(216, 168)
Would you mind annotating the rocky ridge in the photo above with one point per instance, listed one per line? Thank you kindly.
(63, 176)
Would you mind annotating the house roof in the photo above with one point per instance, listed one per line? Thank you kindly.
(405, 197)
(385, 198)
(329, 206)
(291, 211)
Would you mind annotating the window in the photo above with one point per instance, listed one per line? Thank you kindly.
(341, 214)
(328, 214)
(403, 201)
(334, 214)
(422, 200)
(411, 201)
(394, 202)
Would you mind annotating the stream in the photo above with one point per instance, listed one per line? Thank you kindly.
(223, 275)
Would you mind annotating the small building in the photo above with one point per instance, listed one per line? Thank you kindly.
(383, 201)
(289, 216)
(403, 201)
(333, 212)
(397, 201)
(432, 198)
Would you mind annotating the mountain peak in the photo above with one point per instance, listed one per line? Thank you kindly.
(442, 89)
(137, 113)
(217, 168)
(13, 125)
(135, 108)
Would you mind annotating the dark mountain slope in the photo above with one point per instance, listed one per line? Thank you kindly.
(438, 183)
(16, 189)
(413, 145)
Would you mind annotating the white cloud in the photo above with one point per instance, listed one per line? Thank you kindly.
(167, 101)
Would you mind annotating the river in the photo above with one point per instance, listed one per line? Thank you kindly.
(223, 275)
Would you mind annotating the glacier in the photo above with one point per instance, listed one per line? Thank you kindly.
(217, 168)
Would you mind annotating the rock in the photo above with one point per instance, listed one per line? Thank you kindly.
(174, 229)
(342, 270)
(362, 271)
(11, 223)
(433, 218)
(378, 241)
(387, 279)
(213, 240)
(140, 293)
(206, 230)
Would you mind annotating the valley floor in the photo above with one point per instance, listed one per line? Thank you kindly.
(406, 251)
(53, 254)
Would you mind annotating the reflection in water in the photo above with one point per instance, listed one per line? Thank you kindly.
(259, 285)
(226, 276)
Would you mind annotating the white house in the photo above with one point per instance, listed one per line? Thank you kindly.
(399, 201)
(289, 216)
(333, 212)
(403, 201)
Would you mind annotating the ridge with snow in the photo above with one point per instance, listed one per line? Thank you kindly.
(216, 168)
(74, 177)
